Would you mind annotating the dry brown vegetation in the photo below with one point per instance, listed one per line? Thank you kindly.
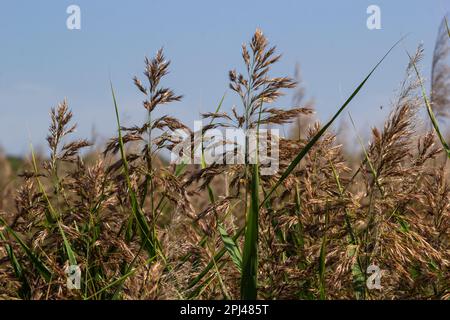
(141, 229)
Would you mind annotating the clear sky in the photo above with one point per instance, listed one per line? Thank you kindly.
(42, 62)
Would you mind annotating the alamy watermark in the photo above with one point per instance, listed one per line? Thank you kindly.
(374, 280)
(374, 20)
(73, 21)
(227, 147)
(73, 274)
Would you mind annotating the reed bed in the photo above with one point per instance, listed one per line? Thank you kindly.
(140, 228)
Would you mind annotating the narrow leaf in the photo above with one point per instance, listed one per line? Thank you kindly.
(231, 247)
(250, 254)
(38, 264)
(314, 140)
(146, 237)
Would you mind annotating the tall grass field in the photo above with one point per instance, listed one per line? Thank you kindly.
(130, 224)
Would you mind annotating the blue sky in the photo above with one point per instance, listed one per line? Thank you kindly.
(42, 62)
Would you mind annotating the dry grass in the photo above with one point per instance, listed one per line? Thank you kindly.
(140, 229)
